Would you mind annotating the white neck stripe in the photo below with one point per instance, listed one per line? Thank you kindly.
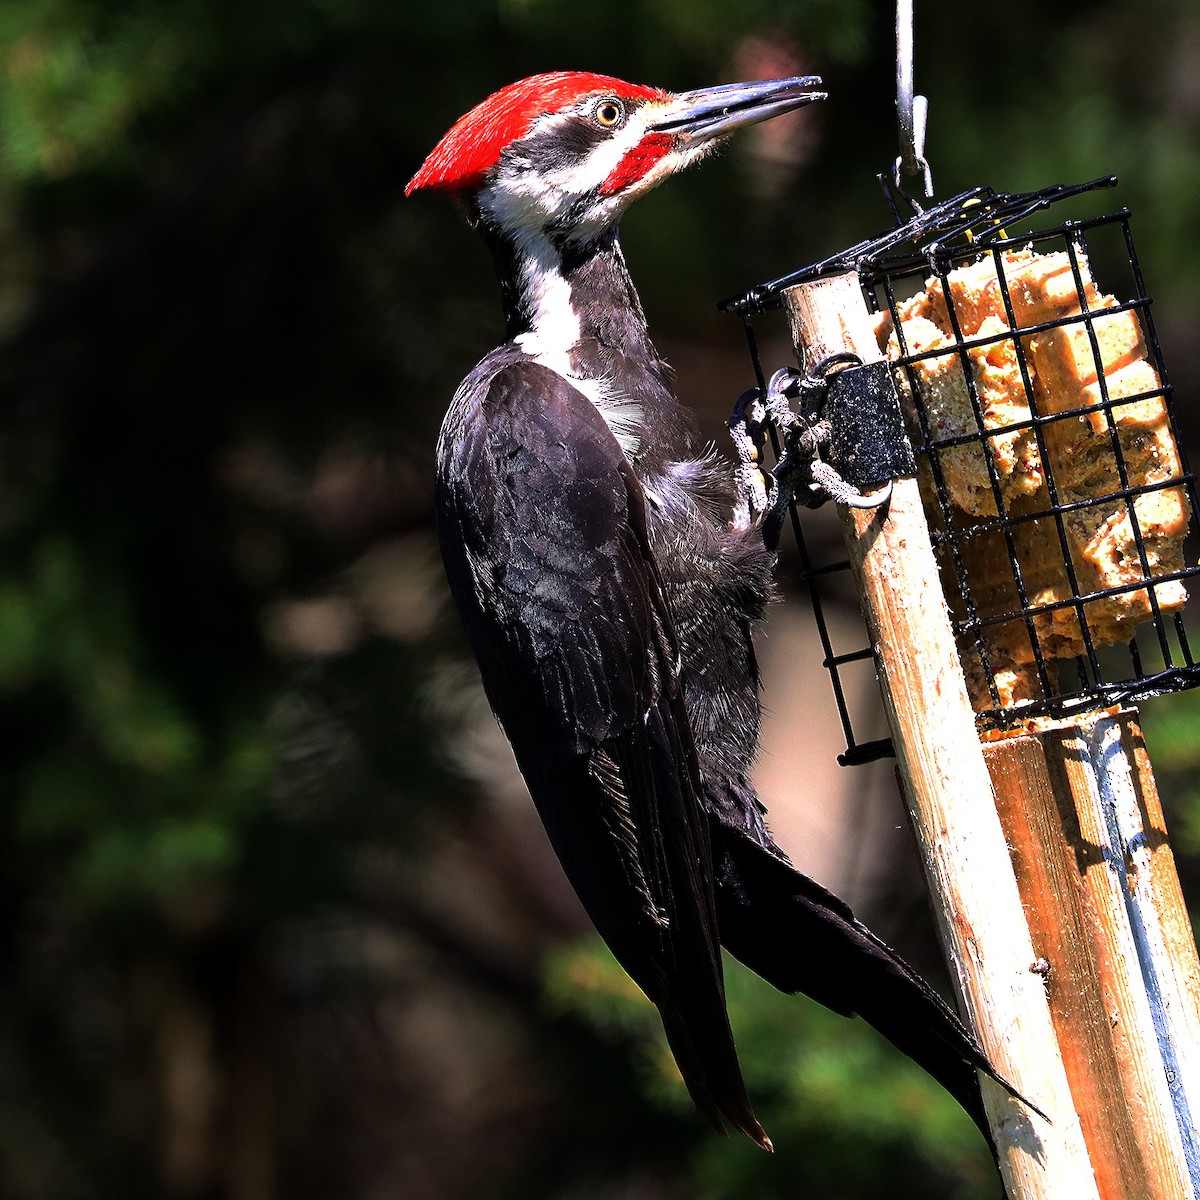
(556, 330)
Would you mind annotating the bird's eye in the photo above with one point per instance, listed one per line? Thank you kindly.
(609, 113)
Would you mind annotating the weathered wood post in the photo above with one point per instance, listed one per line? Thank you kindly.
(1080, 809)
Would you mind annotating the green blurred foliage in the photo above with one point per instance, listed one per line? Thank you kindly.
(847, 1116)
(265, 929)
(1173, 741)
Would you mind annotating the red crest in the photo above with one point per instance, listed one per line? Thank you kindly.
(473, 146)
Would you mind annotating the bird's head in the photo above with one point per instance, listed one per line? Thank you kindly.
(562, 155)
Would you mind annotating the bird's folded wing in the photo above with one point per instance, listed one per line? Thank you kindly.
(542, 524)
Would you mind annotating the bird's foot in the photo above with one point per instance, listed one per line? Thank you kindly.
(748, 425)
(756, 413)
(803, 473)
(792, 403)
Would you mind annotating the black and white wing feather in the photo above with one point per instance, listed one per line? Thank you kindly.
(543, 530)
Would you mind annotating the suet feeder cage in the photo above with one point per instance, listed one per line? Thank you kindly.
(1051, 468)
(1022, 587)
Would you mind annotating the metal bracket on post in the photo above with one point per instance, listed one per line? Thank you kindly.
(868, 444)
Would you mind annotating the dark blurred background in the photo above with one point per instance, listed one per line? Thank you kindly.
(276, 919)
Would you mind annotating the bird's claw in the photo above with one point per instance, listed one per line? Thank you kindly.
(748, 425)
(792, 405)
(755, 414)
(829, 485)
(801, 474)
(807, 479)
(782, 388)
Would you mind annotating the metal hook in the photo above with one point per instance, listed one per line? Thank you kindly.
(911, 111)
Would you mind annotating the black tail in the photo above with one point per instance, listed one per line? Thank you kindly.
(801, 938)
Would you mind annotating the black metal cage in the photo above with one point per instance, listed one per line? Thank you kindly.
(1048, 451)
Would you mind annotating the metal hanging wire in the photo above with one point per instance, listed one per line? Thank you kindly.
(912, 111)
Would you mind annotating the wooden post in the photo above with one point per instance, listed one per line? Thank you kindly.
(1080, 810)
(951, 803)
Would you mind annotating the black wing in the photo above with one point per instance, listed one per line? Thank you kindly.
(802, 938)
(542, 525)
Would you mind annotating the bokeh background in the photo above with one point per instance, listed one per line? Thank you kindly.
(276, 918)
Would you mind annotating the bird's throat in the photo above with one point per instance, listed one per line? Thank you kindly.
(561, 293)
(575, 311)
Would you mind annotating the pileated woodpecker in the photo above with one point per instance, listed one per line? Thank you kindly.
(609, 591)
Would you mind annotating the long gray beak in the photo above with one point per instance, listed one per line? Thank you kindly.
(713, 112)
